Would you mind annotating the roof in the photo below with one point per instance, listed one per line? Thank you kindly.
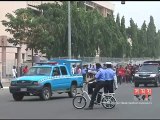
(145, 62)
(150, 64)
(105, 4)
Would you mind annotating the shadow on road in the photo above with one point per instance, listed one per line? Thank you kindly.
(38, 99)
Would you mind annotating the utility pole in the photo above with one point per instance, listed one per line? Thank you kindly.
(69, 30)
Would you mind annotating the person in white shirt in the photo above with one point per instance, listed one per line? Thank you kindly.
(73, 69)
(14, 71)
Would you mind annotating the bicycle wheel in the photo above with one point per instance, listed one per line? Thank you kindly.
(108, 102)
(79, 102)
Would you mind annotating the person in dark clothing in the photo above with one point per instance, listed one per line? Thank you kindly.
(1, 84)
(84, 72)
(100, 83)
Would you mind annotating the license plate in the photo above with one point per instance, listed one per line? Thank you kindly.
(23, 89)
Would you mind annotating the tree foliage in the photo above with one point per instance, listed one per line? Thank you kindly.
(46, 30)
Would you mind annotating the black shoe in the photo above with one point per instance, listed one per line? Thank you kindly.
(89, 108)
(97, 103)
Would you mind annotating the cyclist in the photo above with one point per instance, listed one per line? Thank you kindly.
(100, 83)
(111, 79)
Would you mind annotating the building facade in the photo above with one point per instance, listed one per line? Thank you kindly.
(104, 7)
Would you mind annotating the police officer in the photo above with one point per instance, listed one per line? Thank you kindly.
(111, 79)
(100, 83)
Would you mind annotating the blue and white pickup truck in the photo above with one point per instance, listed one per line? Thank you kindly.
(44, 79)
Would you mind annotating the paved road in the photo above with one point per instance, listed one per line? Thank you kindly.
(60, 107)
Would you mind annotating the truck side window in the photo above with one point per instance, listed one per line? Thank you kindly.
(56, 71)
(63, 70)
(159, 69)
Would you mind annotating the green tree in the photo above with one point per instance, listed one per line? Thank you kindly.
(126, 45)
(118, 20)
(133, 35)
(151, 41)
(142, 40)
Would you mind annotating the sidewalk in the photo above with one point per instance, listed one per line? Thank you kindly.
(5, 82)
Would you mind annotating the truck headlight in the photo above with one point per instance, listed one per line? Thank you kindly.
(152, 75)
(13, 83)
(136, 75)
(35, 83)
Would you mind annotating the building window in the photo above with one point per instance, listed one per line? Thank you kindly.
(16, 55)
(23, 55)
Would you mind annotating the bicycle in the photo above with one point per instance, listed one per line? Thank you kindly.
(108, 100)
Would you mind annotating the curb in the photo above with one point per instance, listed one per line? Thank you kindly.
(4, 88)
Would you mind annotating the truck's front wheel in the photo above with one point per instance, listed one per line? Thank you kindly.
(17, 96)
(46, 93)
(73, 91)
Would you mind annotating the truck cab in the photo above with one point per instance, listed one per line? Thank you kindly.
(44, 79)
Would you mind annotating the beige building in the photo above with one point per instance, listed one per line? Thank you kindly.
(8, 58)
(104, 7)
(8, 52)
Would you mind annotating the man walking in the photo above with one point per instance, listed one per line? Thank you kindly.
(14, 72)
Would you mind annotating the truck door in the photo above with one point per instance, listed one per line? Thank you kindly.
(57, 82)
(66, 77)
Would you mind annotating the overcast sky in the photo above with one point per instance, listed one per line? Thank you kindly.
(138, 11)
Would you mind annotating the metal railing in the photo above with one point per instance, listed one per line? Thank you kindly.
(86, 60)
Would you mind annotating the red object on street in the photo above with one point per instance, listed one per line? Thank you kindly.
(142, 91)
(136, 91)
(148, 91)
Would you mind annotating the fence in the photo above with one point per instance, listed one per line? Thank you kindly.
(113, 60)
(86, 60)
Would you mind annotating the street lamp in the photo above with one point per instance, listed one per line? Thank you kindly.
(69, 30)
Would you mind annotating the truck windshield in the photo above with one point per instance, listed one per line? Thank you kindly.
(44, 71)
(149, 68)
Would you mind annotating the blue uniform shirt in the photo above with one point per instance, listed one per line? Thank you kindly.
(109, 74)
(100, 75)
(84, 71)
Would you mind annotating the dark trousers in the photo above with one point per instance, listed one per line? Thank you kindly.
(90, 87)
(90, 90)
(127, 78)
(1, 84)
(84, 77)
(98, 85)
(109, 86)
(119, 79)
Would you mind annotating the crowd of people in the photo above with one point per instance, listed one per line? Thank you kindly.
(124, 73)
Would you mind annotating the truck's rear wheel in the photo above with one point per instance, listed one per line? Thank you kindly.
(73, 91)
(46, 93)
(17, 96)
